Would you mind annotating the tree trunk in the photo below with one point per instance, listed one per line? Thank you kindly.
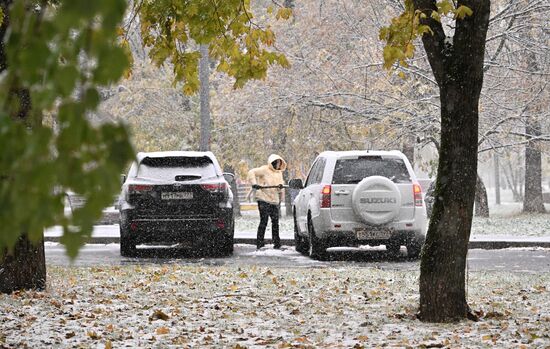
(204, 76)
(481, 201)
(408, 148)
(24, 267)
(457, 65)
(510, 177)
(532, 199)
(443, 264)
(497, 180)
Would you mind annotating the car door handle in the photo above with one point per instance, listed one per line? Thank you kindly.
(341, 192)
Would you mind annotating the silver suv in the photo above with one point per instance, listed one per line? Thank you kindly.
(353, 198)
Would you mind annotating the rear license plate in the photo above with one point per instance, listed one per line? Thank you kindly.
(373, 234)
(181, 195)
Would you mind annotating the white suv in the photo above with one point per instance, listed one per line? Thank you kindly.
(355, 198)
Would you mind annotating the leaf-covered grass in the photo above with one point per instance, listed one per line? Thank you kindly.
(183, 306)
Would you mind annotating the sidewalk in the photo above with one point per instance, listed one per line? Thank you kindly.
(105, 234)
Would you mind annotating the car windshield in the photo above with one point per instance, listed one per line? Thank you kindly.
(352, 171)
(167, 168)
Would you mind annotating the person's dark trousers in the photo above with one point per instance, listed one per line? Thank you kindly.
(268, 210)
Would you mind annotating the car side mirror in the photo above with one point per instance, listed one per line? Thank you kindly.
(229, 177)
(296, 183)
(122, 178)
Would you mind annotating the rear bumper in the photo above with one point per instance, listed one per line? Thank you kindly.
(192, 231)
(345, 233)
(349, 238)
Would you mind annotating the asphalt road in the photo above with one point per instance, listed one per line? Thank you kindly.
(531, 260)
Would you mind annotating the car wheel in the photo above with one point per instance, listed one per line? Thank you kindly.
(227, 247)
(414, 248)
(317, 249)
(298, 240)
(393, 249)
(223, 246)
(127, 247)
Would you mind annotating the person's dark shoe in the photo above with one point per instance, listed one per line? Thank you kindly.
(277, 247)
(259, 246)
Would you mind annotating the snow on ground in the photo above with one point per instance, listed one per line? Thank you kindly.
(167, 306)
(512, 224)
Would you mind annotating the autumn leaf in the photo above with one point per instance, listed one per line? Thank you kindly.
(162, 330)
(93, 335)
(159, 315)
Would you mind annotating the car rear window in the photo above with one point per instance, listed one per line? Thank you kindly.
(167, 168)
(352, 171)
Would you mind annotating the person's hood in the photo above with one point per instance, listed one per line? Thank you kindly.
(274, 157)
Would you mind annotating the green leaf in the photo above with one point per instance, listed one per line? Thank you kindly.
(445, 6)
(38, 165)
(463, 11)
(435, 15)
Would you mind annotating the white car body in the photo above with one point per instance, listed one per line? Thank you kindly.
(381, 213)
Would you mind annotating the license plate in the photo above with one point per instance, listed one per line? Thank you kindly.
(376, 234)
(181, 195)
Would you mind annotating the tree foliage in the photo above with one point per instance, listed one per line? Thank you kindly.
(60, 55)
(172, 29)
(407, 27)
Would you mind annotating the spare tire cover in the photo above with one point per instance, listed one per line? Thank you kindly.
(377, 200)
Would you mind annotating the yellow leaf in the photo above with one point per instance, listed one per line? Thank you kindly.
(463, 11)
(162, 330)
(119, 31)
(93, 335)
(108, 345)
(444, 6)
(159, 315)
(409, 50)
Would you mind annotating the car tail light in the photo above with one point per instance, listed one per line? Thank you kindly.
(136, 191)
(417, 191)
(139, 188)
(215, 187)
(220, 224)
(325, 196)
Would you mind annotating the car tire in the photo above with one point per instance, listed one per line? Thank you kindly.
(393, 249)
(414, 248)
(223, 246)
(127, 247)
(317, 249)
(299, 242)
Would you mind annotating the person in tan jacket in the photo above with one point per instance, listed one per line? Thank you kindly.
(268, 199)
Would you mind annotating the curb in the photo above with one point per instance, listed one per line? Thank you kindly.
(485, 245)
